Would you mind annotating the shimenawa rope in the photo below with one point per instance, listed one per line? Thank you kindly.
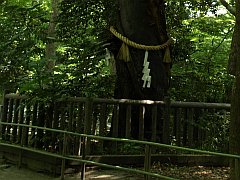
(124, 53)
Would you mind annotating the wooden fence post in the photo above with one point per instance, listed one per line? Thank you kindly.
(88, 122)
(166, 121)
(4, 116)
(147, 161)
(177, 125)
(115, 124)
(21, 120)
(190, 127)
(115, 120)
(9, 120)
(80, 126)
(185, 127)
(237, 168)
(128, 121)
(34, 123)
(141, 122)
(20, 154)
(15, 120)
(102, 124)
(25, 135)
(40, 123)
(63, 154)
(84, 148)
(154, 123)
(70, 127)
(19, 159)
(55, 122)
(1, 113)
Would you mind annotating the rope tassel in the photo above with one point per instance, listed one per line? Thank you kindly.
(124, 53)
(167, 56)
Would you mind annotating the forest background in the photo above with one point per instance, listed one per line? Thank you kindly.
(202, 31)
(52, 48)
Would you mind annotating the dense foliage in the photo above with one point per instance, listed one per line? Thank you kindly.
(80, 70)
(202, 39)
(202, 75)
(22, 38)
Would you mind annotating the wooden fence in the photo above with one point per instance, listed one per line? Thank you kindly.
(182, 122)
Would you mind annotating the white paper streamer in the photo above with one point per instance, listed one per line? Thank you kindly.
(146, 72)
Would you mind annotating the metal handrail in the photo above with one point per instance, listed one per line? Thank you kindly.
(88, 162)
(64, 157)
(236, 157)
(128, 140)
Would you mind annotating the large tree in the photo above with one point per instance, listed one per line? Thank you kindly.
(144, 23)
(234, 69)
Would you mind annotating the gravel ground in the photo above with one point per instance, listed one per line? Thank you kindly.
(194, 172)
(11, 172)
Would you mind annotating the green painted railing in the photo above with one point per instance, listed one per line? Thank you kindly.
(86, 138)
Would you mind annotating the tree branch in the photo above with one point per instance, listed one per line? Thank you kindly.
(231, 9)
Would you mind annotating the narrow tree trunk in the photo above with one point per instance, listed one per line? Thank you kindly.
(142, 21)
(50, 53)
(235, 104)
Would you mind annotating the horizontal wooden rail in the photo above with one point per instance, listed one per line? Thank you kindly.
(174, 104)
(200, 105)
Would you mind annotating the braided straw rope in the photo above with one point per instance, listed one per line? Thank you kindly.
(140, 46)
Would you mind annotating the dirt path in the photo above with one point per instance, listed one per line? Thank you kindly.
(11, 172)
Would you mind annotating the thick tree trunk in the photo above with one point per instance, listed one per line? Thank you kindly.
(235, 104)
(142, 21)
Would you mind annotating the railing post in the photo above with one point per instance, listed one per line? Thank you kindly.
(9, 120)
(88, 121)
(190, 121)
(147, 161)
(19, 159)
(128, 121)
(15, 120)
(63, 154)
(80, 119)
(154, 123)
(3, 117)
(25, 134)
(177, 125)
(185, 127)
(166, 121)
(20, 155)
(115, 124)
(84, 148)
(141, 122)
(1, 111)
(102, 124)
(237, 168)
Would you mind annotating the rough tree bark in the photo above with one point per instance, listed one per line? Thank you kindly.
(50, 52)
(234, 142)
(234, 69)
(142, 21)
